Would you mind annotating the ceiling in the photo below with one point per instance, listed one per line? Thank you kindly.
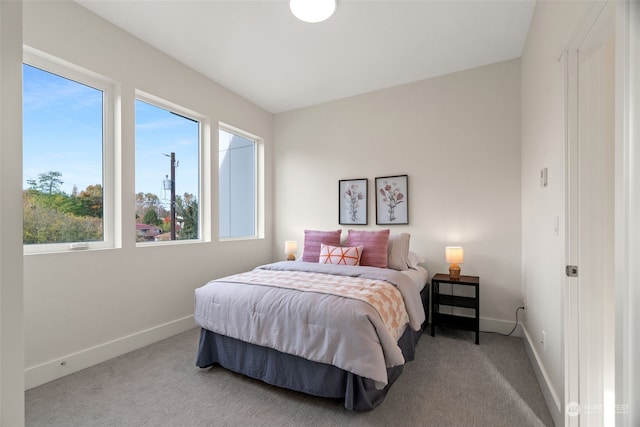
(260, 51)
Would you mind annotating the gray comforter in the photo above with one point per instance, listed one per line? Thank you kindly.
(343, 332)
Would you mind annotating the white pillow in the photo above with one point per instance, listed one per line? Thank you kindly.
(341, 255)
(414, 260)
(398, 251)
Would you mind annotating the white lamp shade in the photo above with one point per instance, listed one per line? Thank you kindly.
(290, 247)
(454, 254)
(312, 10)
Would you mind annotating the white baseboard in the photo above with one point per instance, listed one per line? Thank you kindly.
(488, 324)
(548, 391)
(51, 370)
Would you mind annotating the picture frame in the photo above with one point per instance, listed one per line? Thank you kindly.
(392, 200)
(353, 201)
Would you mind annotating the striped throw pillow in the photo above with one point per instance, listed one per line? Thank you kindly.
(312, 241)
(375, 245)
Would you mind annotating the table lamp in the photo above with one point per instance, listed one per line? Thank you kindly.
(290, 249)
(454, 256)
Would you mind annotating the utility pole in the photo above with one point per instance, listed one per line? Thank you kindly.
(173, 194)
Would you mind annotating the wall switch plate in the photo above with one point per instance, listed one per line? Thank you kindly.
(544, 177)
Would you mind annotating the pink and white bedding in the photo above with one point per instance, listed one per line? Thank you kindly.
(291, 307)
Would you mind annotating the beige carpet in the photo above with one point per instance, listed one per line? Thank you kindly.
(452, 382)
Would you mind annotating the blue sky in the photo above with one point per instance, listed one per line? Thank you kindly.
(159, 132)
(63, 132)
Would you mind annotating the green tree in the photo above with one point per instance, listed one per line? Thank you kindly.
(52, 216)
(146, 201)
(92, 201)
(45, 223)
(187, 209)
(47, 183)
(151, 217)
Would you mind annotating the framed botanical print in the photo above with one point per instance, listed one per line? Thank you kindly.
(352, 201)
(392, 200)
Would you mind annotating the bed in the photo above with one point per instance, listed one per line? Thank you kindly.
(330, 330)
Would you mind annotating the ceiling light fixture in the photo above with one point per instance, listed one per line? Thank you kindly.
(312, 10)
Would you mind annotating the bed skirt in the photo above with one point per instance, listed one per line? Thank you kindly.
(299, 374)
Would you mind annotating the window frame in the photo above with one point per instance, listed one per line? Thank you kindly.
(69, 71)
(203, 131)
(258, 215)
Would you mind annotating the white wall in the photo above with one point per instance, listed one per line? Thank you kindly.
(457, 137)
(84, 307)
(237, 187)
(11, 295)
(543, 145)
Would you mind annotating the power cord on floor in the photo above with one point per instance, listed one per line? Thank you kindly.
(514, 328)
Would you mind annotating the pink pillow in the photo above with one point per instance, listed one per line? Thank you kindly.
(375, 245)
(347, 255)
(312, 241)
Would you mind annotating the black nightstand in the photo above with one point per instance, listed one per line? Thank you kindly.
(452, 320)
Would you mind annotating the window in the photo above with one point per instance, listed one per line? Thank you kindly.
(66, 144)
(167, 172)
(237, 179)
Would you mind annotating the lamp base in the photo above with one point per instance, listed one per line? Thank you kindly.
(291, 257)
(454, 271)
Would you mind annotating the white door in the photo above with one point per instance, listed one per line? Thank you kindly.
(590, 302)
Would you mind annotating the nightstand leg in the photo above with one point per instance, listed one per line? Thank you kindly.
(426, 315)
(434, 291)
(478, 315)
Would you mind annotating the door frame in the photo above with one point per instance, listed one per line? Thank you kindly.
(627, 268)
